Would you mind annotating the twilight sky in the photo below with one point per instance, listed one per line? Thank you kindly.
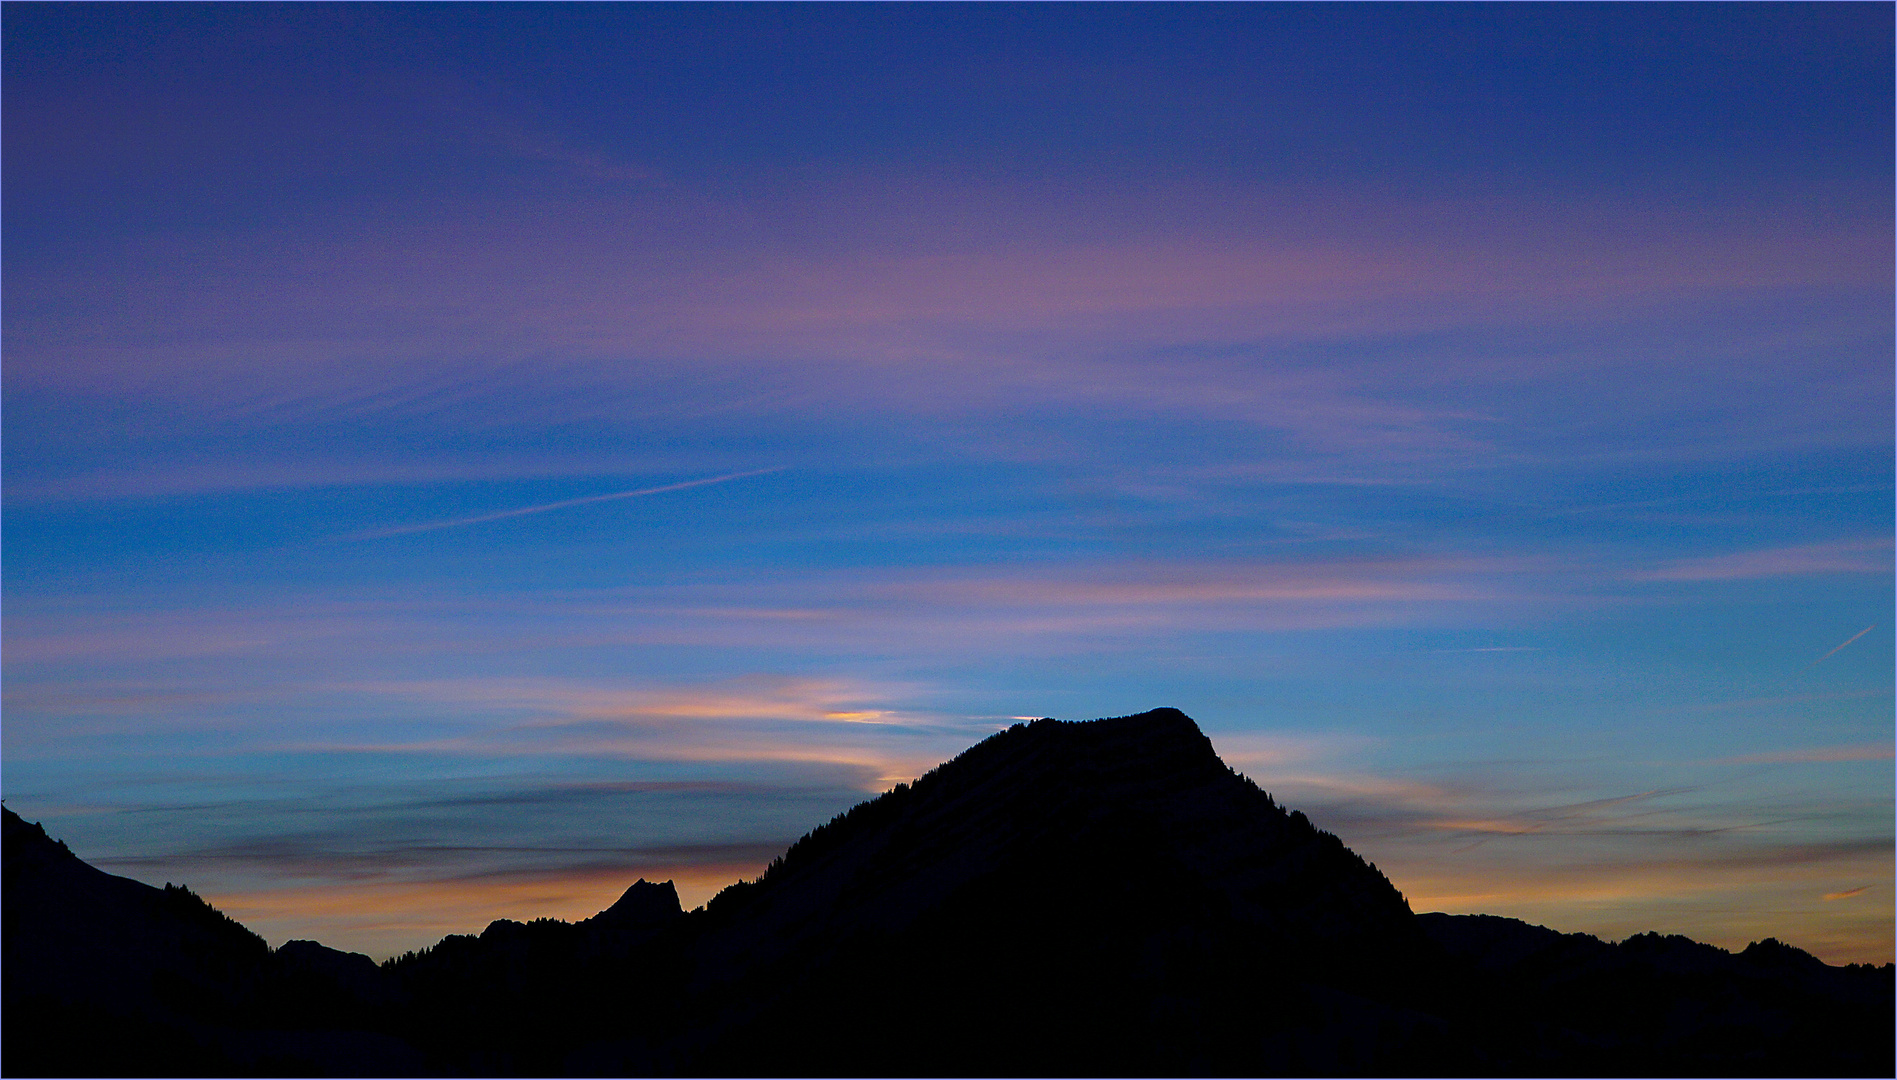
(459, 459)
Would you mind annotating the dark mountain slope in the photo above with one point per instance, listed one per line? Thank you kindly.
(83, 946)
(106, 976)
(1572, 1003)
(1098, 897)
(82, 918)
(1121, 791)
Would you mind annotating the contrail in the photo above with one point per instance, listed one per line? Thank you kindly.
(401, 530)
(1847, 641)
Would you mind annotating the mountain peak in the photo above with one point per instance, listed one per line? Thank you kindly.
(1164, 730)
(1106, 809)
(644, 903)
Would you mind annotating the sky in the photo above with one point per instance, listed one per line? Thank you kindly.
(459, 459)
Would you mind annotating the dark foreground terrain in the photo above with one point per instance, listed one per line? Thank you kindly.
(1101, 898)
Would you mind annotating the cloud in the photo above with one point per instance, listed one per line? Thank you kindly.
(1265, 584)
(1726, 864)
(403, 530)
(1777, 701)
(1870, 555)
(143, 480)
(1848, 893)
(336, 859)
(1366, 804)
(1102, 600)
(751, 697)
(851, 731)
(919, 298)
(1858, 752)
(392, 860)
(964, 611)
(866, 765)
(80, 632)
(1835, 650)
(1273, 750)
(1611, 890)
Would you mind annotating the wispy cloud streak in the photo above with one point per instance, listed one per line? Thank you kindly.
(403, 530)
(1863, 556)
(1818, 754)
(1835, 651)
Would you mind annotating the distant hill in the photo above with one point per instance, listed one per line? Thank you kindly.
(1102, 898)
(106, 976)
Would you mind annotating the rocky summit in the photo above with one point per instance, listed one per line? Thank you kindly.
(1099, 898)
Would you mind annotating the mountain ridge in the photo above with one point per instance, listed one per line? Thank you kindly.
(1103, 897)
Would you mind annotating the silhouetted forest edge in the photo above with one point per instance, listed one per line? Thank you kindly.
(1100, 898)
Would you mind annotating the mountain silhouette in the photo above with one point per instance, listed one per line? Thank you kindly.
(106, 976)
(1102, 898)
(1097, 897)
